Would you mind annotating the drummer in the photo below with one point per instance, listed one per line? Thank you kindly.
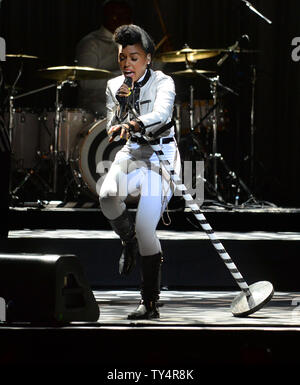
(98, 50)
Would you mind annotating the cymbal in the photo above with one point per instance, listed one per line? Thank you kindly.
(187, 54)
(74, 73)
(20, 56)
(190, 72)
(191, 55)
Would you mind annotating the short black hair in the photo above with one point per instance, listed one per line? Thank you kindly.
(133, 34)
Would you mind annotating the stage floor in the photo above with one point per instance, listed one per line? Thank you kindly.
(162, 235)
(196, 334)
(182, 308)
(188, 306)
(196, 330)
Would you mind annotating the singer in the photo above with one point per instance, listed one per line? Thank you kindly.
(139, 102)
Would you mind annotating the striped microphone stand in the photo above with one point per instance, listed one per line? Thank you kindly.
(252, 297)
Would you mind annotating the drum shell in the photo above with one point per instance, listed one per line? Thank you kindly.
(24, 138)
(201, 108)
(92, 148)
(71, 122)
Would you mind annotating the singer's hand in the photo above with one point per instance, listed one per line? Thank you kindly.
(124, 90)
(123, 130)
(115, 131)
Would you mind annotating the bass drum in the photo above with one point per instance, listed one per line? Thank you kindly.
(92, 157)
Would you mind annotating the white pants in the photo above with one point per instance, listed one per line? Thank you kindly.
(136, 172)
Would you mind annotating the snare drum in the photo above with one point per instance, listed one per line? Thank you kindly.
(92, 148)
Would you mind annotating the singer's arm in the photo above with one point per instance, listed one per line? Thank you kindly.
(111, 109)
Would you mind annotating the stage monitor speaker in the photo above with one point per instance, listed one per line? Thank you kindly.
(46, 288)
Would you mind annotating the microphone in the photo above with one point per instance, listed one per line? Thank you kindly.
(231, 49)
(124, 99)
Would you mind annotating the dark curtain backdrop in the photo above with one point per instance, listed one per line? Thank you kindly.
(50, 30)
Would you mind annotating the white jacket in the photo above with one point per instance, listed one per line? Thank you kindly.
(156, 101)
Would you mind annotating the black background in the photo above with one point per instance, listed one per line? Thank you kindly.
(50, 30)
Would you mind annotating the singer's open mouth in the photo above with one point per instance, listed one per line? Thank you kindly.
(128, 73)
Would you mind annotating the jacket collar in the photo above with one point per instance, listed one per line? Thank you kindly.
(144, 80)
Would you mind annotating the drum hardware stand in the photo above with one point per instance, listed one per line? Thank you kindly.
(250, 6)
(57, 123)
(191, 109)
(57, 157)
(237, 182)
(58, 109)
(213, 89)
(30, 173)
(252, 128)
(11, 111)
(194, 143)
(72, 188)
(189, 65)
(254, 10)
(215, 156)
(250, 157)
(33, 172)
(214, 83)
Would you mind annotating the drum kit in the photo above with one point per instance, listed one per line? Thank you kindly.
(56, 148)
(71, 142)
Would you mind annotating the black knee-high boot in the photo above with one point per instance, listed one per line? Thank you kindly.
(124, 227)
(150, 288)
